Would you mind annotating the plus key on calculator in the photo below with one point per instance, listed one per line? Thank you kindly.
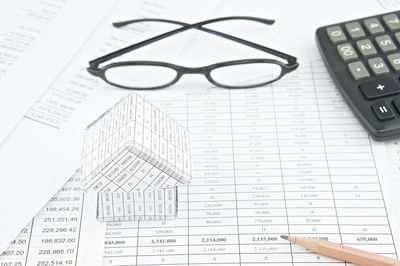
(363, 58)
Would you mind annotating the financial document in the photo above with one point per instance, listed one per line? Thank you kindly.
(265, 164)
(289, 158)
(34, 49)
(55, 234)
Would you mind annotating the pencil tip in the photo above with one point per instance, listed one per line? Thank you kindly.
(284, 237)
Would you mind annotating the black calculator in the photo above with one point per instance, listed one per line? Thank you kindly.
(363, 58)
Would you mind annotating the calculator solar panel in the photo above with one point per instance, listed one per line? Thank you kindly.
(363, 57)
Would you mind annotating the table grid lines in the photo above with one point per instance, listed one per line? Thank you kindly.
(320, 180)
(281, 175)
(234, 177)
(379, 182)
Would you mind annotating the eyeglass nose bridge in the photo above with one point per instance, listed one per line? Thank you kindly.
(194, 70)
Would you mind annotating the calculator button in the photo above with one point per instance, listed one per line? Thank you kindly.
(385, 43)
(378, 66)
(394, 61)
(366, 47)
(397, 36)
(347, 52)
(379, 87)
(358, 70)
(354, 30)
(392, 22)
(396, 103)
(373, 26)
(382, 111)
(336, 34)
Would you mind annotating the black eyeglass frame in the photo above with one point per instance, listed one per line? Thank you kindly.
(95, 70)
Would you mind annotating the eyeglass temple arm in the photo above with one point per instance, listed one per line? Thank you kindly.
(287, 57)
(292, 61)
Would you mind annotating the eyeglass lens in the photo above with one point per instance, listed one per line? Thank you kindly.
(140, 76)
(250, 74)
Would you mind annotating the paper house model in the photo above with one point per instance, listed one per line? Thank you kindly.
(135, 156)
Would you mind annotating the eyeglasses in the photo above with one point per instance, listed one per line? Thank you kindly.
(146, 75)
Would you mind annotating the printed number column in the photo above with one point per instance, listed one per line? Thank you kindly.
(307, 184)
(213, 227)
(257, 171)
(52, 237)
(359, 201)
(56, 230)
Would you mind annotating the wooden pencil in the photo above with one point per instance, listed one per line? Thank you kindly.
(342, 252)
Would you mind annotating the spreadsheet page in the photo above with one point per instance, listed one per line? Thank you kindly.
(287, 159)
